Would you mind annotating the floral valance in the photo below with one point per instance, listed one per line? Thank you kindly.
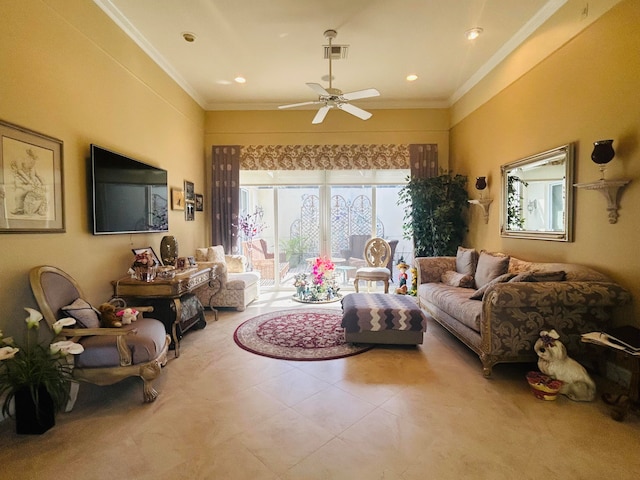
(324, 157)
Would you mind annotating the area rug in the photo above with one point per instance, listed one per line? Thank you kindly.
(297, 334)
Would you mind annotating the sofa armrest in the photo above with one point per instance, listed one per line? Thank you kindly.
(430, 269)
(514, 313)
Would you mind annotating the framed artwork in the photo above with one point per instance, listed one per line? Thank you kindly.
(31, 186)
(136, 251)
(177, 199)
(189, 191)
(199, 203)
(189, 213)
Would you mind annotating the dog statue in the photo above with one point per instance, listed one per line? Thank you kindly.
(554, 361)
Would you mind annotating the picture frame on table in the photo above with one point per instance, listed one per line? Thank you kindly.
(177, 199)
(137, 251)
(199, 202)
(31, 186)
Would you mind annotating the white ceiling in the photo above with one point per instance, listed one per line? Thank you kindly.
(277, 45)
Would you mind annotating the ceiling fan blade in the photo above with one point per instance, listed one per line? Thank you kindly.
(299, 104)
(353, 110)
(321, 114)
(319, 89)
(369, 92)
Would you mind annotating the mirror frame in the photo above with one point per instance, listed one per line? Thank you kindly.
(564, 235)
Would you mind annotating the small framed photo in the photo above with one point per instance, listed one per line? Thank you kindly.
(189, 213)
(199, 203)
(192, 261)
(189, 191)
(181, 263)
(31, 186)
(177, 199)
(149, 250)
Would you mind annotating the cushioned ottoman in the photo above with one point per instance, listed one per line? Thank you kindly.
(382, 318)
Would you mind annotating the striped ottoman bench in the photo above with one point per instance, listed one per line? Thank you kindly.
(382, 318)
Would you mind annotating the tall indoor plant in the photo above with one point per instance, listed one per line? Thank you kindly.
(36, 377)
(434, 213)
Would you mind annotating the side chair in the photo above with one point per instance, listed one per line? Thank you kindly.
(110, 354)
(377, 253)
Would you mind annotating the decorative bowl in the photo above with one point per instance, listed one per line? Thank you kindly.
(543, 386)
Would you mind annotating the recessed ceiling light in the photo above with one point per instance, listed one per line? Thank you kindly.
(240, 79)
(189, 37)
(412, 78)
(473, 33)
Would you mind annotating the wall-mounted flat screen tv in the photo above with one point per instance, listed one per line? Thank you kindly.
(128, 196)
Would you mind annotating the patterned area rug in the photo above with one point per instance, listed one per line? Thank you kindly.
(297, 334)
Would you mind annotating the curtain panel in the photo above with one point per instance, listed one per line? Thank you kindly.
(225, 195)
(424, 160)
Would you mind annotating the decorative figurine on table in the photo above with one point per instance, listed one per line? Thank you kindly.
(414, 281)
(402, 278)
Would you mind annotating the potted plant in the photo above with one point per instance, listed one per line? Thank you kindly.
(36, 377)
(434, 213)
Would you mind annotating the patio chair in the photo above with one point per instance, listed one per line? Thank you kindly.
(110, 354)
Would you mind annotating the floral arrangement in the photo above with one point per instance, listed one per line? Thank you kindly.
(322, 267)
(251, 224)
(35, 365)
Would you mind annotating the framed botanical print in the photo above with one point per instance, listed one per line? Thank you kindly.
(31, 182)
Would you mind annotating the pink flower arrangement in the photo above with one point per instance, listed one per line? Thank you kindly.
(321, 267)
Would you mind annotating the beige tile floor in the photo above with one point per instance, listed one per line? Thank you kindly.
(391, 413)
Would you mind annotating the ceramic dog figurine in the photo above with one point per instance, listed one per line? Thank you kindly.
(553, 360)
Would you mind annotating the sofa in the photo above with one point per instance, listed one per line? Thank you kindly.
(497, 305)
(231, 285)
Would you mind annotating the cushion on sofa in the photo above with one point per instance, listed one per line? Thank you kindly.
(85, 315)
(490, 266)
(479, 293)
(455, 279)
(216, 254)
(558, 276)
(236, 263)
(466, 261)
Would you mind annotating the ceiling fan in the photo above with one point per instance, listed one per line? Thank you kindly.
(332, 97)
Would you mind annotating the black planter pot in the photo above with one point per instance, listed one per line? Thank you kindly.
(32, 420)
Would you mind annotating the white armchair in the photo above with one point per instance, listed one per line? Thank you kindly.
(231, 285)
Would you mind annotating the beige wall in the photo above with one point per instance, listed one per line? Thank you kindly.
(69, 72)
(585, 91)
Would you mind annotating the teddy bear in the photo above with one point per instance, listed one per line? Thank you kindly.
(128, 315)
(554, 361)
(108, 316)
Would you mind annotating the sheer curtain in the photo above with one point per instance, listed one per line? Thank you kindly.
(225, 195)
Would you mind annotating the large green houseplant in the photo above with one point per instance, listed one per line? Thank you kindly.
(434, 213)
(36, 376)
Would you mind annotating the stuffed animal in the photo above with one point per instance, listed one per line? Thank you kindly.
(108, 316)
(128, 315)
(554, 361)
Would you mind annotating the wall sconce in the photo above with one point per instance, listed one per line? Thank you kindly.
(481, 184)
(602, 154)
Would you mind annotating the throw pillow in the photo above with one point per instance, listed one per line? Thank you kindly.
(236, 263)
(479, 293)
(455, 279)
(490, 266)
(201, 254)
(216, 254)
(466, 261)
(85, 315)
(551, 276)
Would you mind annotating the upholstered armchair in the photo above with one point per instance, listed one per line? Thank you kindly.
(231, 285)
(110, 354)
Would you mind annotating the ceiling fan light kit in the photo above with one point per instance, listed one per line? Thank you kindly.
(331, 97)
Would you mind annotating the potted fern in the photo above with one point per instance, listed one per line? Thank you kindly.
(35, 377)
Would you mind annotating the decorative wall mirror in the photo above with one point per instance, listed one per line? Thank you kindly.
(537, 196)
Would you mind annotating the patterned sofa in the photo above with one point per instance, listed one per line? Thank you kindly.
(231, 285)
(497, 305)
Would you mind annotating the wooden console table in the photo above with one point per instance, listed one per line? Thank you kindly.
(167, 297)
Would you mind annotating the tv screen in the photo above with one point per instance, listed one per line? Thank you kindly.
(128, 196)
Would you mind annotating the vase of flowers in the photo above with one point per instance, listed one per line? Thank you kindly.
(250, 225)
(36, 377)
(145, 266)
